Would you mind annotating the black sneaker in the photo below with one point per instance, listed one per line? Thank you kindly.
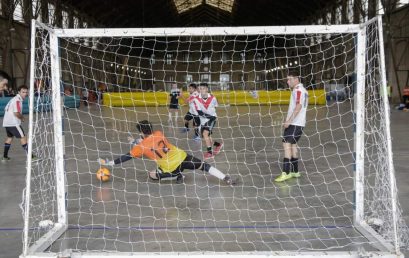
(179, 179)
(228, 180)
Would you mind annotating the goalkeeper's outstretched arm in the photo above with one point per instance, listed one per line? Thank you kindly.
(121, 159)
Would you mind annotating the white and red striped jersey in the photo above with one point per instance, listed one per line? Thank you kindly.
(193, 102)
(208, 104)
(15, 105)
(299, 95)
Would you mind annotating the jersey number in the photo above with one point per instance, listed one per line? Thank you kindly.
(162, 149)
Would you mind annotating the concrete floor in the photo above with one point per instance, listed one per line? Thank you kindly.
(132, 213)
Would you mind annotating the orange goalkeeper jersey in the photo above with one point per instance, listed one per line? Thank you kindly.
(156, 147)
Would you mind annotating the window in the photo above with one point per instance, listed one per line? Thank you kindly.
(259, 58)
(169, 59)
(205, 77)
(65, 19)
(243, 57)
(152, 59)
(188, 78)
(18, 12)
(206, 58)
(224, 57)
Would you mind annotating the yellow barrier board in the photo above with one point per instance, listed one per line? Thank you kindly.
(235, 98)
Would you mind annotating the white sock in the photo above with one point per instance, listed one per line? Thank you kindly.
(217, 173)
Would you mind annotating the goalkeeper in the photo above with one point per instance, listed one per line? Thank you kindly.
(171, 160)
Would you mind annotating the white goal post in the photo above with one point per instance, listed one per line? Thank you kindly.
(345, 204)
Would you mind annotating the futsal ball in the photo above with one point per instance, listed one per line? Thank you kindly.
(103, 174)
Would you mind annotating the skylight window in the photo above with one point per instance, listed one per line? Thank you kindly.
(225, 5)
(186, 5)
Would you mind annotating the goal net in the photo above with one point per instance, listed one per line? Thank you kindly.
(90, 87)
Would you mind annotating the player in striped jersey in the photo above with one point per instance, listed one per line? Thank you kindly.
(192, 113)
(13, 117)
(293, 126)
(206, 108)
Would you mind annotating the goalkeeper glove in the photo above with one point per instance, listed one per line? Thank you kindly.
(133, 141)
(106, 162)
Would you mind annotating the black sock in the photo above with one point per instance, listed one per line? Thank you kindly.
(196, 131)
(294, 165)
(209, 149)
(187, 124)
(216, 144)
(286, 165)
(6, 149)
(25, 147)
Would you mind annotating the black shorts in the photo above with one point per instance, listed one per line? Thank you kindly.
(15, 131)
(292, 134)
(189, 162)
(173, 106)
(196, 119)
(208, 126)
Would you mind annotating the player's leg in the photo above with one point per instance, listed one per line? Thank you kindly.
(294, 152)
(208, 142)
(288, 139)
(176, 114)
(7, 145)
(196, 124)
(158, 174)
(193, 163)
(19, 134)
(187, 119)
(217, 146)
(170, 110)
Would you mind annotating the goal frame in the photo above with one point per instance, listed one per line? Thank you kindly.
(60, 226)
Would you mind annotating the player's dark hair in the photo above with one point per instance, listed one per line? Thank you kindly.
(293, 73)
(144, 127)
(204, 84)
(22, 87)
(4, 75)
(193, 85)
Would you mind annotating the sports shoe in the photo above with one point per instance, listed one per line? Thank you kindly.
(5, 159)
(184, 130)
(295, 174)
(197, 138)
(179, 179)
(208, 155)
(217, 149)
(228, 180)
(284, 176)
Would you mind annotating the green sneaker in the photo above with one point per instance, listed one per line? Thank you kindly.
(284, 176)
(295, 174)
(5, 159)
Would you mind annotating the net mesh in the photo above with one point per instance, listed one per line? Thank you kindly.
(110, 83)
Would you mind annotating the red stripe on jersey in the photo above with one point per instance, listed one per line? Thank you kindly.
(18, 103)
(298, 98)
(207, 102)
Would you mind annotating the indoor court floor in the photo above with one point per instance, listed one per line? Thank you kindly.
(132, 213)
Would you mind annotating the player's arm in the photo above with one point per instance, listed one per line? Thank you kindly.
(19, 116)
(200, 111)
(297, 110)
(18, 111)
(135, 152)
(121, 159)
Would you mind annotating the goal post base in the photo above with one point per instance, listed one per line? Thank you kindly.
(47, 239)
(355, 254)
